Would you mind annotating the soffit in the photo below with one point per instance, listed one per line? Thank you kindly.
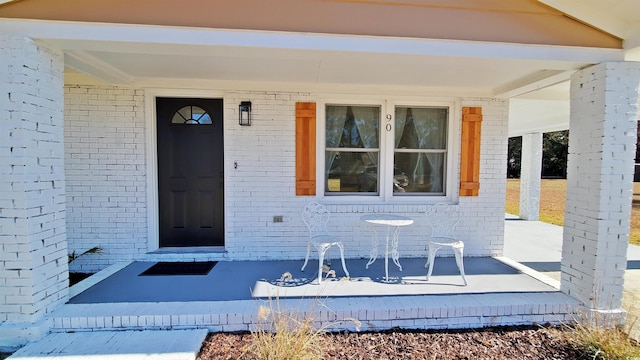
(513, 21)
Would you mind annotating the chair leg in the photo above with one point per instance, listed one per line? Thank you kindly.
(306, 259)
(431, 259)
(321, 251)
(344, 267)
(458, 251)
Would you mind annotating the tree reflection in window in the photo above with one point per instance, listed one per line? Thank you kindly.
(350, 134)
(421, 149)
(352, 149)
(191, 115)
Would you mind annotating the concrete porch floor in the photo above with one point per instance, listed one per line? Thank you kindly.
(500, 292)
(247, 280)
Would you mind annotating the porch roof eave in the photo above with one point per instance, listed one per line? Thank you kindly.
(121, 37)
(318, 61)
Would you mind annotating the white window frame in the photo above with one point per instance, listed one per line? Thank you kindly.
(387, 106)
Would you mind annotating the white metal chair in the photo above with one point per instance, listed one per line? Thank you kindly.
(443, 219)
(316, 216)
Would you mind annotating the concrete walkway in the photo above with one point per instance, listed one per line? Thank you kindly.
(534, 244)
(115, 345)
(538, 245)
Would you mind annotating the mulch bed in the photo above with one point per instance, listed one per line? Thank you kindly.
(491, 343)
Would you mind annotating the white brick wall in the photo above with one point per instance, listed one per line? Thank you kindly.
(261, 187)
(105, 167)
(483, 220)
(264, 186)
(33, 252)
(604, 110)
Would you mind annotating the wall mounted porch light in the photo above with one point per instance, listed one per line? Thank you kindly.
(244, 113)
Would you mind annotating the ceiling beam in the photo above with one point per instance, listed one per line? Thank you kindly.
(94, 67)
(534, 82)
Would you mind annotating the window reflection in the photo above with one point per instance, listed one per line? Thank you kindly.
(353, 154)
(421, 146)
(352, 149)
(191, 115)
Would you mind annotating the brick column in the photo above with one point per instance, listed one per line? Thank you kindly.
(33, 248)
(603, 120)
(530, 170)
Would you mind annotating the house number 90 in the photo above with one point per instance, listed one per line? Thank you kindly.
(388, 122)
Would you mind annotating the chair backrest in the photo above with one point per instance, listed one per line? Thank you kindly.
(443, 219)
(316, 216)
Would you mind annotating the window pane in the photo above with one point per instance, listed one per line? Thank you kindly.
(421, 128)
(421, 146)
(192, 115)
(352, 126)
(202, 118)
(351, 172)
(416, 172)
(352, 145)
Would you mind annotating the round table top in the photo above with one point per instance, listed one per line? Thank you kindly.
(387, 219)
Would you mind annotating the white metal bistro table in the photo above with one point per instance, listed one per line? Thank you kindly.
(393, 224)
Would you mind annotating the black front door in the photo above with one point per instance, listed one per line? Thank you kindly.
(190, 172)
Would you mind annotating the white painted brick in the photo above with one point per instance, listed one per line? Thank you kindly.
(94, 139)
(94, 174)
(604, 102)
(32, 211)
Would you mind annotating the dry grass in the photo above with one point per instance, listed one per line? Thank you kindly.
(601, 342)
(630, 302)
(552, 199)
(288, 334)
(598, 336)
(284, 334)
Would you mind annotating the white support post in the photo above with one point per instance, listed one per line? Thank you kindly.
(530, 171)
(603, 121)
(33, 244)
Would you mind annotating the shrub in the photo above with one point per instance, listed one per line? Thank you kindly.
(94, 250)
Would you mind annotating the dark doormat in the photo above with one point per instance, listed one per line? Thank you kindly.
(180, 268)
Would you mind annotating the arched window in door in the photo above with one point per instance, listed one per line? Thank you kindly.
(191, 115)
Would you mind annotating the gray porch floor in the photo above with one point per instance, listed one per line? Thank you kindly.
(500, 292)
(246, 280)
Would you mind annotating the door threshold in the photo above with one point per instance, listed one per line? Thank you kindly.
(190, 250)
(191, 253)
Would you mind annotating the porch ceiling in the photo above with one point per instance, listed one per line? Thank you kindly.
(215, 58)
(444, 73)
(509, 59)
(535, 77)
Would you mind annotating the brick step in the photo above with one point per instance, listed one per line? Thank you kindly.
(373, 313)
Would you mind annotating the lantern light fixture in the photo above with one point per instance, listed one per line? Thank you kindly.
(244, 113)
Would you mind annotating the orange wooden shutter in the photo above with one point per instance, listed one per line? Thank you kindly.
(305, 148)
(470, 153)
